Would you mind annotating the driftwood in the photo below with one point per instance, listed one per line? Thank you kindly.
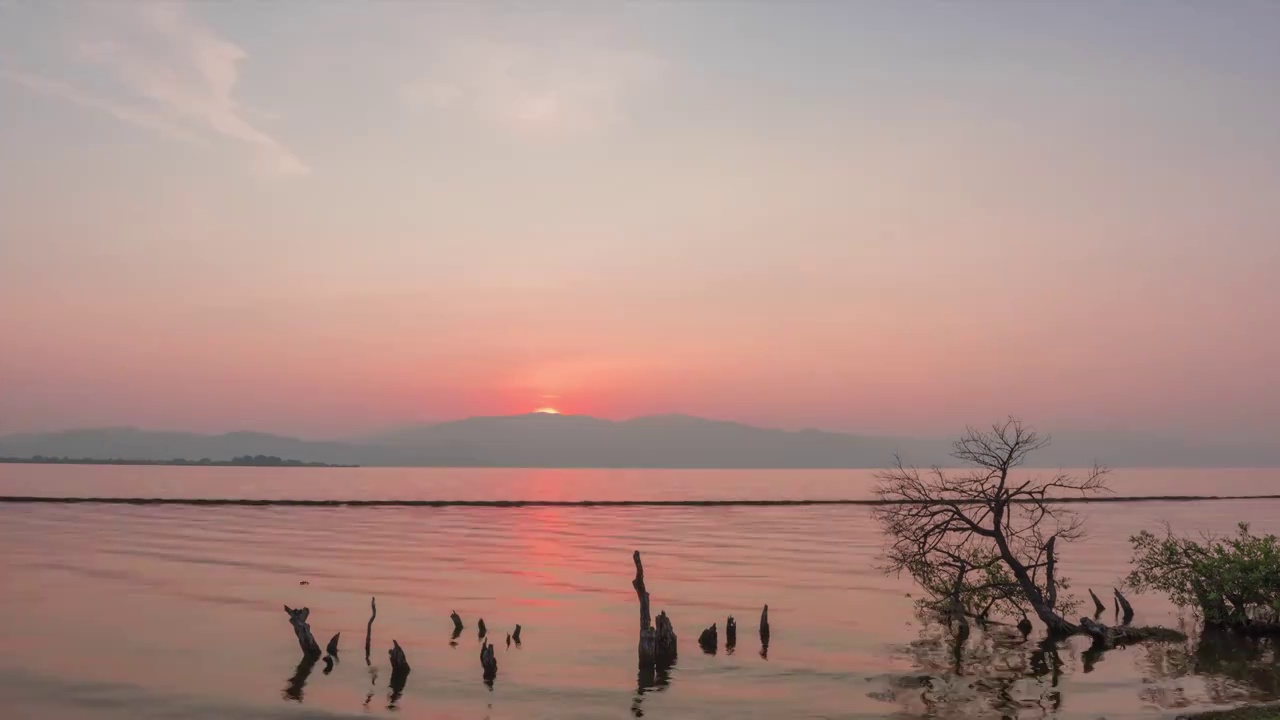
(368, 632)
(488, 662)
(657, 638)
(1105, 638)
(457, 622)
(1098, 607)
(483, 630)
(516, 635)
(1125, 607)
(709, 640)
(298, 619)
(730, 633)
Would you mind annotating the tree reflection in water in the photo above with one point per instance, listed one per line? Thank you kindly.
(1230, 668)
(998, 674)
(650, 679)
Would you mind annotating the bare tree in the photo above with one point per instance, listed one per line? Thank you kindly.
(980, 541)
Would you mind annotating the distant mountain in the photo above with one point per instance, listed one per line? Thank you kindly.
(673, 441)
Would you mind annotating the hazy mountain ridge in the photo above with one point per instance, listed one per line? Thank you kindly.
(673, 441)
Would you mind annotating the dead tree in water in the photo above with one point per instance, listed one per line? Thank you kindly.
(984, 535)
(298, 619)
(1105, 638)
(368, 632)
(399, 663)
(657, 639)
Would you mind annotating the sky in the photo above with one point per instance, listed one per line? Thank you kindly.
(885, 217)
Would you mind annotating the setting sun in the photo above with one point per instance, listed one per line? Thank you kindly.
(547, 411)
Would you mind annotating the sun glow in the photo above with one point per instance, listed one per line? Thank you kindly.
(547, 411)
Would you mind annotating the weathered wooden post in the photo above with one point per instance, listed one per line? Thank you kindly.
(298, 619)
(657, 638)
(730, 634)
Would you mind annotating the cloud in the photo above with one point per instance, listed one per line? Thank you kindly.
(176, 76)
(533, 88)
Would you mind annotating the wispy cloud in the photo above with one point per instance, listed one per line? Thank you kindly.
(174, 75)
(532, 87)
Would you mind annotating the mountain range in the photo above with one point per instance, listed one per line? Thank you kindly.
(666, 441)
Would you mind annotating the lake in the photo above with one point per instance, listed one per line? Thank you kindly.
(176, 611)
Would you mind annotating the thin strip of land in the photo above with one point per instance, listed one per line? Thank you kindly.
(242, 461)
(285, 502)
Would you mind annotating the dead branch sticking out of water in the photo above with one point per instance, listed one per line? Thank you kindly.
(1125, 608)
(709, 640)
(457, 623)
(764, 627)
(1105, 638)
(368, 633)
(298, 619)
(730, 634)
(657, 639)
(332, 648)
(1098, 607)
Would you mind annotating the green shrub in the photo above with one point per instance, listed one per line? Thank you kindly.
(1229, 581)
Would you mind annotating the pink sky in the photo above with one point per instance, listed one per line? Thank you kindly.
(231, 217)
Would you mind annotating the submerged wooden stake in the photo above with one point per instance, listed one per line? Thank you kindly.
(298, 619)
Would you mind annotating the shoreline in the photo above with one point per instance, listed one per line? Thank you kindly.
(285, 502)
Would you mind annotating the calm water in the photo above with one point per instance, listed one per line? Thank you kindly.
(175, 612)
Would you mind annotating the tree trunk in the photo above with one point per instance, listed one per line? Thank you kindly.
(298, 619)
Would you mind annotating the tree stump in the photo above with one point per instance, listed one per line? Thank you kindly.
(399, 671)
(331, 649)
(709, 640)
(483, 630)
(730, 633)
(298, 619)
(516, 635)
(457, 622)
(488, 662)
(657, 638)
(1125, 607)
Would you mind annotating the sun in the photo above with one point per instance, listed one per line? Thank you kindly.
(547, 411)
